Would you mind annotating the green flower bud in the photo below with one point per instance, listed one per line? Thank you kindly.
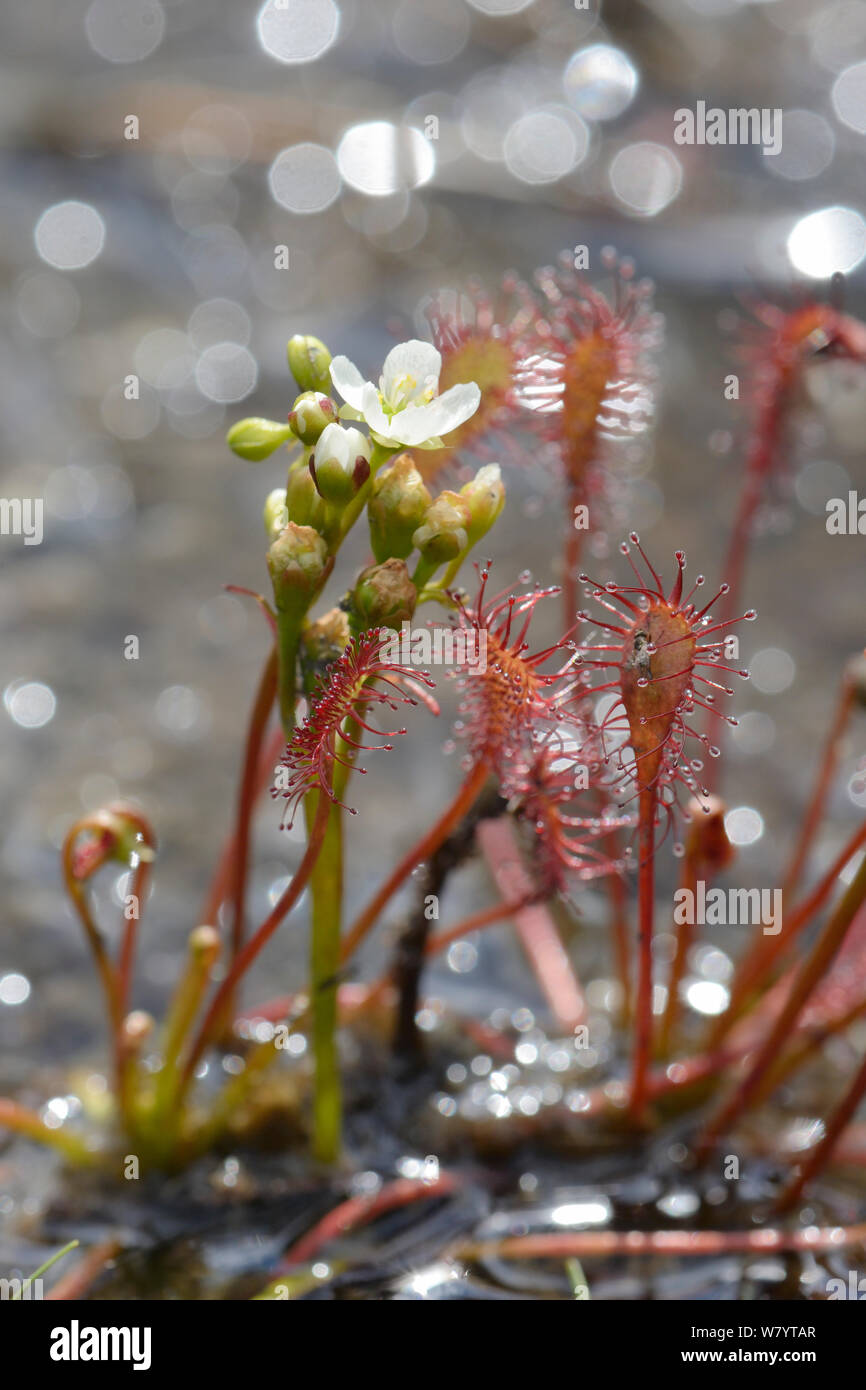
(310, 415)
(321, 643)
(397, 507)
(485, 498)
(340, 465)
(384, 595)
(309, 362)
(304, 504)
(257, 438)
(276, 513)
(297, 561)
(325, 639)
(444, 533)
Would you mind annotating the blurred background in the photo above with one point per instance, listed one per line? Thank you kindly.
(155, 153)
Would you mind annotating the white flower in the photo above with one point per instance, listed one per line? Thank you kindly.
(406, 409)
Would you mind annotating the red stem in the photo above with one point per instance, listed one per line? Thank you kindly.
(358, 1211)
(248, 953)
(760, 456)
(247, 795)
(224, 880)
(106, 969)
(562, 1245)
(826, 772)
(418, 854)
(571, 559)
(644, 995)
(821, 1155)
(486, 917)
(756, 964)
(619, 934)
(535, 927)
(685, 936)
(807, 978)
(77, 1282)
(130, 937)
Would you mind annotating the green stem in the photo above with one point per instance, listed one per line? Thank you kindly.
(251, 950)
(186, 1001)
(288, 639)
(576, 1278)
(105, 968)
(23, 1121)
(326, 889)
(38, 1273)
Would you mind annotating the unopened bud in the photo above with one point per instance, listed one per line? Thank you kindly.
(444, 533)
(325, 639)
(310, 415)
(397, 507)
(309, 362)
(340, 465)
(297, 561)
(257, 438)
(276, 514)
(485, 498)
(303, 502)
(385, 595)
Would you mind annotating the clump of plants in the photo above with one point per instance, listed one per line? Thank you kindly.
(583, 760)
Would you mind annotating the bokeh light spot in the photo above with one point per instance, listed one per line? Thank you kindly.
(808, 144)
(544, 146)
(29, 704)
(304, 178)
(832, 239)
(645, 177)
(297, 31)
(69, 235)
(600, 81)
(124, 31)
(744, 825)
(379, 158)
(849, 97)
(226, 372)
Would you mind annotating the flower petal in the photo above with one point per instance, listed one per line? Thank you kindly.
(348, 381)
(334, 443)
(373, 413)
(417, 423)
(415, 359)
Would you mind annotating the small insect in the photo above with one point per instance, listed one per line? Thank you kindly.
(641, 656)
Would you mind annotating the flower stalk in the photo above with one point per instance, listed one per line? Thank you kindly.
(326, 888)
(643, 1014)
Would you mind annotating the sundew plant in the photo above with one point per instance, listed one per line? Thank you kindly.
(588, 765)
